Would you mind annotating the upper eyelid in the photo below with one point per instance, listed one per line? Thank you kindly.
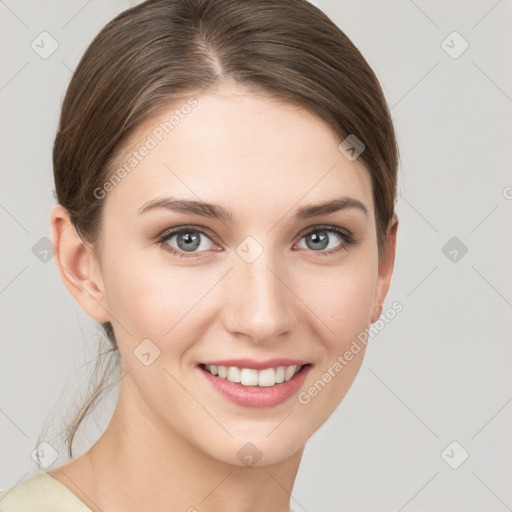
(179, 229)
(326, 227)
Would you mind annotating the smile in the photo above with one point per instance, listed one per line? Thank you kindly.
(251, 377)
(251, 384)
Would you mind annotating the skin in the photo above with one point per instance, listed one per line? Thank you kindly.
(172, 442)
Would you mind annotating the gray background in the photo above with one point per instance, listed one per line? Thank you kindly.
(439, 372)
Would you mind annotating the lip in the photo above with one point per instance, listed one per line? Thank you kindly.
(258, 365)
(256, 396)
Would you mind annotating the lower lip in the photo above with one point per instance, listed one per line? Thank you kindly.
(257, 396)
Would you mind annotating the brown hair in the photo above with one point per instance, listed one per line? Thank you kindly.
(159, 50)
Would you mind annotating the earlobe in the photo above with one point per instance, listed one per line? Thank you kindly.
(77, 266)
(386, 265)
(377, 311)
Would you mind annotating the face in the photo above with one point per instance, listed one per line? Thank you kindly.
(258, 293)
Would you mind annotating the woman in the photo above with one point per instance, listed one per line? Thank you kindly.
(226, 177)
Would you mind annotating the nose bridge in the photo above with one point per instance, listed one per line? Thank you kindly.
(261, 305)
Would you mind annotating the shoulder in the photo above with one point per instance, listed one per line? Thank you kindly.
(40, 492)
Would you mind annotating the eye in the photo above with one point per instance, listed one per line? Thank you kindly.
(328, 237)
(189, 239)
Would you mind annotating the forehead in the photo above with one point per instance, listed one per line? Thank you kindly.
(252, 154)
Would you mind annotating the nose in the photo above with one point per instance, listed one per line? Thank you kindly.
(260, 305)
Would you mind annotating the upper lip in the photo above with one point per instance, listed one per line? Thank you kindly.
(257, 365)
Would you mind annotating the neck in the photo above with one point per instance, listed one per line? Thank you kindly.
(139, 463)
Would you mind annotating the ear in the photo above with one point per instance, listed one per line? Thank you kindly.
(77, 266)
(386, 264)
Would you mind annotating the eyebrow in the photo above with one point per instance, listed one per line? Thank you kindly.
(218, 212)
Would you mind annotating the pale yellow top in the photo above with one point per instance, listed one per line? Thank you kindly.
(40, 492)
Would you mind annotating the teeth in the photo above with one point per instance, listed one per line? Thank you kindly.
(233, 374)
(280, 374)
(289, 372)
(267, 377)
(250, 377)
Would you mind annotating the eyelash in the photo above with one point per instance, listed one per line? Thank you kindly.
(346, 237)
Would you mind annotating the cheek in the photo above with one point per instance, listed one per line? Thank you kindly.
(167, 304)
(343, 297)
(351, 305)
(145, 300)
